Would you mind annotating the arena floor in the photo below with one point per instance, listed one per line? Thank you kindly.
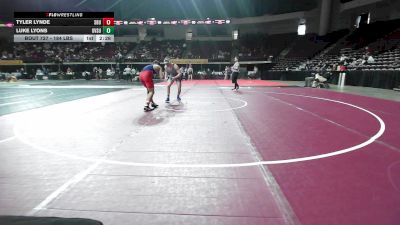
(271, 153)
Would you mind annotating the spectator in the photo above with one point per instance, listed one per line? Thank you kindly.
(109, 73)
(370, 59)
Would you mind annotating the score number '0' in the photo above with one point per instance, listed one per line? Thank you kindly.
(108, 21)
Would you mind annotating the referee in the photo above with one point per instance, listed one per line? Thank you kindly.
(235, 73)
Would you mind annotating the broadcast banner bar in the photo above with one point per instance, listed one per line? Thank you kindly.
(63, 26)
(64, 38)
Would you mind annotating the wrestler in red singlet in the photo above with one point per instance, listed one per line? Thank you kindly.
(146, 77)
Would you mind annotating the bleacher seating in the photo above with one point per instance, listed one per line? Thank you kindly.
(379, 40)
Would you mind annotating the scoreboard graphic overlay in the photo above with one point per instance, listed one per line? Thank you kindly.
(63, 26)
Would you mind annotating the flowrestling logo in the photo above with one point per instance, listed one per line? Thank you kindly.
(64, 15)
